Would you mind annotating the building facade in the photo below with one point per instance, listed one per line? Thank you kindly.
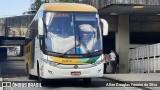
(131, 23)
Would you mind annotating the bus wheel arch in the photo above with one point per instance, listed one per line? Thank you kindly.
(27, 71)
(38, 69)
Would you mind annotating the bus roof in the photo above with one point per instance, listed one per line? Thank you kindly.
(75, 7)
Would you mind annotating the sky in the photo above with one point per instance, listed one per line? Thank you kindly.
(13, 7)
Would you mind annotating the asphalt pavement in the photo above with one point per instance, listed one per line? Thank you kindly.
(12, 69)
(70, 84)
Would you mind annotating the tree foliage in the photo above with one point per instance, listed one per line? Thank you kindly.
(38, 3)
(35, 4)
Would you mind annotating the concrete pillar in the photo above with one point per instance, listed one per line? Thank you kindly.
(21, 50)
(122, 42)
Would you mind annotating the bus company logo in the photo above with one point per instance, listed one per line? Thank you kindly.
(66, 60)
(75, 66)
(6, 84)
(75, 56)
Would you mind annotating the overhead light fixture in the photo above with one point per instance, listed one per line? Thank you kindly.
(137, 7)
(113, 14)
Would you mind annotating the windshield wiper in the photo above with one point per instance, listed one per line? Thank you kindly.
(69, 50)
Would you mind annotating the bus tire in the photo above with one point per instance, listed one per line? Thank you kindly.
(87, 80)
(30, 77)
(42, 81)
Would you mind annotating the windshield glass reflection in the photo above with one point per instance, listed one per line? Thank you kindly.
(72, 33)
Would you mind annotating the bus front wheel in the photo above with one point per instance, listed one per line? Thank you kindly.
(29, 75)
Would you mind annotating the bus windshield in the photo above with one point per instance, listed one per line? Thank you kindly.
(72, 33)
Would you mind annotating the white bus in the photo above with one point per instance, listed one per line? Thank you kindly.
(64, 40)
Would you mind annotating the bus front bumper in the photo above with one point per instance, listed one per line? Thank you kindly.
(51, 72)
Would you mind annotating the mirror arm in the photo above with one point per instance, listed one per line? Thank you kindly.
(40, 27)
(105, 27)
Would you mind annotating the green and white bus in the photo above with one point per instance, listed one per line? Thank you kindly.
(64, 40)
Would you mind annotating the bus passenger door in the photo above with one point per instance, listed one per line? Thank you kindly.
(37, 54)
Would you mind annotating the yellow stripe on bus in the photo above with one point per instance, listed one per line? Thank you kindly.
(66, 60)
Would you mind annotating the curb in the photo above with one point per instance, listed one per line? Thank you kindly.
(120, 81)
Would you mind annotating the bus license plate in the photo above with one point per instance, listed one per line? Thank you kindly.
(75, 73)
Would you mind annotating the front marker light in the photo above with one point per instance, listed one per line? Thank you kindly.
(50, 62)
(53, 63)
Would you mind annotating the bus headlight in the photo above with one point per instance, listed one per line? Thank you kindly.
(98, 62)
(51, 63)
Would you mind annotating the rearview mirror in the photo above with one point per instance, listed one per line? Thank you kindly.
(40, 27)
(104, 27)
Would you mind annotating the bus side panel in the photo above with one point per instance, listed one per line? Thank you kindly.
(29, 54)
